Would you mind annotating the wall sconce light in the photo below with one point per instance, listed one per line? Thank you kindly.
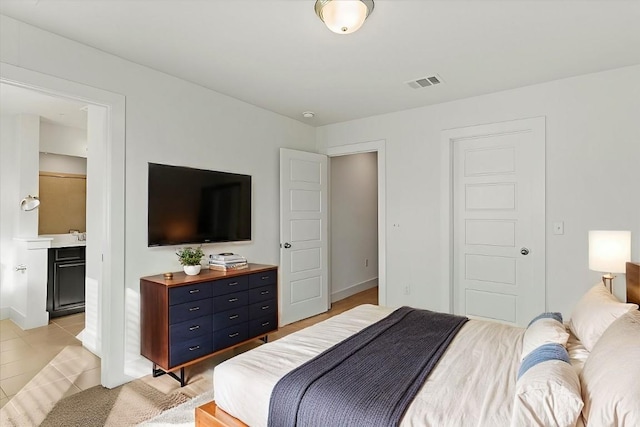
(343, 16)
(609, 251)
(29, 203)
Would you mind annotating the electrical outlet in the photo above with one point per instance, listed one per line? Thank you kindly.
(366, 262)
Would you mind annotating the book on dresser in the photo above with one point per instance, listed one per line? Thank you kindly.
(186, 319)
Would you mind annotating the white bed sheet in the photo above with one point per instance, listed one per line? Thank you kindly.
(473, 384)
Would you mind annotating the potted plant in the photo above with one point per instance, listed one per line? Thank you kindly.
(190, 259)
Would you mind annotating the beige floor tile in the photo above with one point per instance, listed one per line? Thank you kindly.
(86, 379)
(38, 401)
(47, 375)
(9, 334)
(3, 401)
(13, 344)
(30, 364)
(76, 366)
(68, 320)
(2, 393)
(14, 355)
(12, 385)
(74, 329)
(73, 352)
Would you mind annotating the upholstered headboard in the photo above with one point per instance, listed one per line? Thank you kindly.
(633, 282)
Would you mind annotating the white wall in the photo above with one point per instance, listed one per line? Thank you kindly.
(63, 164)
(9, 202)
(59, 139)
(354, 224)
(592, 160)
(169, 120)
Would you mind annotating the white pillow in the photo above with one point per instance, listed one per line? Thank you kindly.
(611, 376)
(593, 314)
(547, 394)
(543, 331)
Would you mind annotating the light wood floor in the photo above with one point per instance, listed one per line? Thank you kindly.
(65, 369)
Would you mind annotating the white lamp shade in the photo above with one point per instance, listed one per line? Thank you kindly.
(29, 203)
(609, 251)
(344, 16)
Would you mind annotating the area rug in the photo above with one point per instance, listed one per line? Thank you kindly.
(127, 405)
(182, 415)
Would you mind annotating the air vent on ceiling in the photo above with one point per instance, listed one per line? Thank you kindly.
(424, 82)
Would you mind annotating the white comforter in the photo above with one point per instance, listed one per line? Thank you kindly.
(472, 385)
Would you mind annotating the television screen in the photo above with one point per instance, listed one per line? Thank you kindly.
(189, 205)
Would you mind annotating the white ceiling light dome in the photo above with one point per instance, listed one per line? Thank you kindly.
(343, 16)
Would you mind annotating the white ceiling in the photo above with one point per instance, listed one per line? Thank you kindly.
(278, 55)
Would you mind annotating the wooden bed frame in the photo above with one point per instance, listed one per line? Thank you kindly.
(209, 415)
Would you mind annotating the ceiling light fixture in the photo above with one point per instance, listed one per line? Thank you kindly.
(308, 114)
(343, 16)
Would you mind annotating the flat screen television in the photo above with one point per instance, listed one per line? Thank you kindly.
(189, 205)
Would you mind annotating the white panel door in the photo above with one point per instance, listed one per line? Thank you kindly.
(498, 221)
(303, 235)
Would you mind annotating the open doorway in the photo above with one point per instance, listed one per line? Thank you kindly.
(105, 258)
(377, 149)
(354, 224)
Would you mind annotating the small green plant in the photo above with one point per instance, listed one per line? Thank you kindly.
(190, 256)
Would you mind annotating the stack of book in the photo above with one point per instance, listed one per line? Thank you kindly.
(227, 261)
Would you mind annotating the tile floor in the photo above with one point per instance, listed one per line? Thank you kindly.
(46, 363)
(38, 367)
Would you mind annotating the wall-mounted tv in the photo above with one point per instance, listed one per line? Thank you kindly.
(189, 205)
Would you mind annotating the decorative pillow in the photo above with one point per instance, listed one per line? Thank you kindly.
(542, 354)
(592, 315)
(546, 328)
(547, 394)
(611, 376)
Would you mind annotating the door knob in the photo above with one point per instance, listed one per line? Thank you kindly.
(287, 245)
(524, 251)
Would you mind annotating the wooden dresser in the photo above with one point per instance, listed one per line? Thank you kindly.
(186, 319)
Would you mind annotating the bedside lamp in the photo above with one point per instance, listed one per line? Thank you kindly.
(608, 253)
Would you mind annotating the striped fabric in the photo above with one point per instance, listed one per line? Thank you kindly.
(550, 315)
(542, 354)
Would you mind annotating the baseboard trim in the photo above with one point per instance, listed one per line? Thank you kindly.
(354, 289)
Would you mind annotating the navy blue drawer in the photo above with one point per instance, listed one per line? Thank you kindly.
(230, 301)
(261, 326)
(262, 294)
(183, 294)
(261, 279)
(189, 350)
(230, 336)
(230, 318)
(190, 329)
(232, 284)
(190, 310)
(262, 309)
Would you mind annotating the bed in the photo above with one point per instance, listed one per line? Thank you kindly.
(477, 381)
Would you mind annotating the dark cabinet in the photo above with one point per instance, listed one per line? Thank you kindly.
(66, 281)
(188, 318)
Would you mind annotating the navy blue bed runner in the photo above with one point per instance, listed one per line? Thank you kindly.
(370, 378)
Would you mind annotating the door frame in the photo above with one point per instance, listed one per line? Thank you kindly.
(378, 147)
(111, 296)
(447, 138)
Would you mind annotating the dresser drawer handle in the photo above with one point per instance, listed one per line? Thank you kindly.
(266, 323)
(235, 316)
(233, 299)
(234, 335)
(193, 328)
(264, 292)
(194, 291)
(264, 277)
(233, 283)
(264, 307)
(197, 347)
(194, 309)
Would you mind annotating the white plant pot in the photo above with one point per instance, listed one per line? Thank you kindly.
(192, 270)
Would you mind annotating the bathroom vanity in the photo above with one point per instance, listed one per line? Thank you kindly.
(66, 280)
